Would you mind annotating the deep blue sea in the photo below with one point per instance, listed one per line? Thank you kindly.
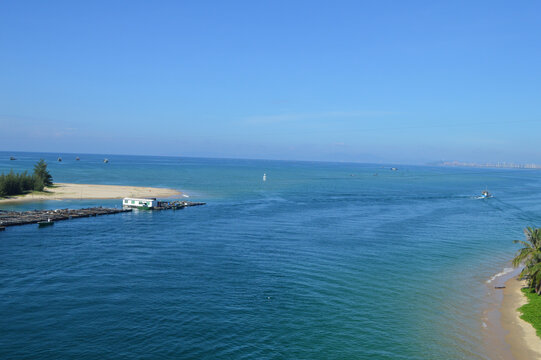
(321, 261)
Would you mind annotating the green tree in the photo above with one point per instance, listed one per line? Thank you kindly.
(41, 172)
(3, 185)
(12, 185)
(38, 184)
(529, 256)
(16, 184)
(26, 181)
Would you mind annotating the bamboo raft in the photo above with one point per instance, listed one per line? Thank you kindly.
(167, 205)
(13, 218)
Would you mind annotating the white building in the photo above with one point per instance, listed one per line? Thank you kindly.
(139, 203)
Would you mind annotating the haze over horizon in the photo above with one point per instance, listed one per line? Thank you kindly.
(377, 82)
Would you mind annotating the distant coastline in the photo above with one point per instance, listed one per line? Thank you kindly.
(503, 165)
(63, 191)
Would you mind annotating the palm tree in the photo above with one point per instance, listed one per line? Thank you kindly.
(530, 257)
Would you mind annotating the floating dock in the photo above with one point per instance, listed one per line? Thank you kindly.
(13, 218)
(167, 205)
(154, 204)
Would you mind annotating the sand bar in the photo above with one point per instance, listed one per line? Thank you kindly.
(62, 191)
(520, 335)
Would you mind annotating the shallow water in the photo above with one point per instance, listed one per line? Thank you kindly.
(322, 260)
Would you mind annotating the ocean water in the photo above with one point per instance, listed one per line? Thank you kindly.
(321, 261)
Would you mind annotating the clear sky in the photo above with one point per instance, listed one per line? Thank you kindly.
(369, 81)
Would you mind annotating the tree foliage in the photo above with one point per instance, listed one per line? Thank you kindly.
(41, 172)
(19, 183)
(529, 256)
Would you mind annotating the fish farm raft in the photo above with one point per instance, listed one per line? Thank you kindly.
(41, 217)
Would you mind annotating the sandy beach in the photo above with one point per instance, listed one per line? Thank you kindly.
(520, 335)
(61, 191)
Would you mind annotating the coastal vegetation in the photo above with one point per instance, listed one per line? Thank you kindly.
(20, 183)
(41, 173)
(529, 256)
(531, 312)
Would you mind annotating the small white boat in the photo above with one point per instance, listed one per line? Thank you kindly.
(264, 177)
(485, 194)
(44, 223)
(106, 160)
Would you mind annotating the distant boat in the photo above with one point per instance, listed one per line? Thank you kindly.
(485, 194)
(77, 158)
(12, 158)
(394, 169)
(106, 160)
(45, 223)
(264, 177)
(59, 159)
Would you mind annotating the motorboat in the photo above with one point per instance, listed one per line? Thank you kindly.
(49, 222)
(485, 194)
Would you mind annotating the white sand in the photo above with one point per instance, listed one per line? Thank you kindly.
(521, 336)
(63, 191)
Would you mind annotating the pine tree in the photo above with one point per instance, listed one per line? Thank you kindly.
(38, 184)
(41, 172)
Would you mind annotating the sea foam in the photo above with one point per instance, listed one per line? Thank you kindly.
(501, 273)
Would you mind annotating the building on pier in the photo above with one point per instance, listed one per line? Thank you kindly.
(136, 203)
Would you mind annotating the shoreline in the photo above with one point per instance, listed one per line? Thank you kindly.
(507, 336)
(67, 191)
(521, 335)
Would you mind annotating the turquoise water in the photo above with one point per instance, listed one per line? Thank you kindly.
(321, 261)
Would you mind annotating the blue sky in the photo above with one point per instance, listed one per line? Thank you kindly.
(379, 81)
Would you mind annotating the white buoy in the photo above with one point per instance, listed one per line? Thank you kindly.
(264, 177)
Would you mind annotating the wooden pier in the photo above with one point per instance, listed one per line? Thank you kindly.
(13, 218)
